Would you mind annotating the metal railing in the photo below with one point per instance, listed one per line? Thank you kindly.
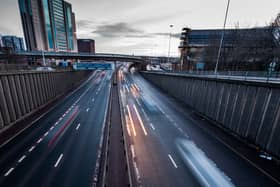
(262, 76)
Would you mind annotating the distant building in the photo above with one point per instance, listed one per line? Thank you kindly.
(47, 25)
(86, 45)
(1, 43)
(241, 47)
(13, 42)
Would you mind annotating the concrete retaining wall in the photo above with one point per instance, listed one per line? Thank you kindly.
(21, 94)
(250, 110)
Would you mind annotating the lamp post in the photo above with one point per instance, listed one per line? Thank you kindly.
(169, 44)
(44, 60)
(222, 38)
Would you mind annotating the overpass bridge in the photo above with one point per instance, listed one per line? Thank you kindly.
(69, 55)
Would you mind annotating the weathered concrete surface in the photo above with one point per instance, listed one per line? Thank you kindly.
(25, 92)
(250, 110)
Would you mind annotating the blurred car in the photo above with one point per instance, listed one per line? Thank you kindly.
(45, 69)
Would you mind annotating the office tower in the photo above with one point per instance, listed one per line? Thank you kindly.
(47, 25)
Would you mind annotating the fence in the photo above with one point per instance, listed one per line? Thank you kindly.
(23, 93)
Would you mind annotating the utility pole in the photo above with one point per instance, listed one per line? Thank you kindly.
(169, 44)
(222, 38)
(44, 60)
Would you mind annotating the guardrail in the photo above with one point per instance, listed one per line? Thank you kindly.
(263, 76)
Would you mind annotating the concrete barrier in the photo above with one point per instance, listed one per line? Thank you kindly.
(23, 93)
(250, 110)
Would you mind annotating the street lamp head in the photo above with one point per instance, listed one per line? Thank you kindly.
(171, 26)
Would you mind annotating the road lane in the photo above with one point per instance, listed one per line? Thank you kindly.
(37, 167)
(171, 122)
(152, 163)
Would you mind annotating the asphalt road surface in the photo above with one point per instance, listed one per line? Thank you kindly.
(169, 148)
(60, 149)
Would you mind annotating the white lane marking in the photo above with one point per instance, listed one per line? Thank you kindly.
(132, 151)
(137, 172)
(127, 125)
(138, 102)
(152, 126)
(46, 134)
(162, 111)
(93, 100)
(140, 120)
(132, 122)
(39, 140)
(170, 118)
(21, 159)
(56, 123)
(87, 109)
(58, 160)
(60, 119)
(126, 88)
(63, 115)
(52, 128)
(78, 126)
(8, 172)
(173, 162)
(31, 149)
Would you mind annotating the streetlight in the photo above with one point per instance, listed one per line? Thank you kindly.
(171, 26)
(44, 61)
(222, 38)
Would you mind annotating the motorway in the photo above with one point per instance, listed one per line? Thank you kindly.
(63, 147)
(169, 148)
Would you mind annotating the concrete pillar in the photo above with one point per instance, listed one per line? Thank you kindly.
(40, 89)
(14, 95)
(20, 95)
(45, 86)
(50, 85)
(36, 89)
(30, 96)
(8, 96)
(24, 93)
(4, 108)
(1, 120)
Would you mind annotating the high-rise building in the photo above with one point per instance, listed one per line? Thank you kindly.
(13, 42)
(74, 33)
(59, 24)
(29, 27)
(86, 45)
(69, 26)
(47, 25)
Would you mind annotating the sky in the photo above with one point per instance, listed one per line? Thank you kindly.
(142, 27)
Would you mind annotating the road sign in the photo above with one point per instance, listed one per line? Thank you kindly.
(92, 66)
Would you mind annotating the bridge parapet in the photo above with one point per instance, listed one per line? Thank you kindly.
(248, 109)
(24, 93)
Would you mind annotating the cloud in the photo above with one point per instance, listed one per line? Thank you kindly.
(120, 29)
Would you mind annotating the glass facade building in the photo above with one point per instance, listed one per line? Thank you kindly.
(48, 25)
(68, 25)
(13, 42)
(59, 25)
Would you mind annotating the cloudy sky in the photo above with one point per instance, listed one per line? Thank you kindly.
(141, 27)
